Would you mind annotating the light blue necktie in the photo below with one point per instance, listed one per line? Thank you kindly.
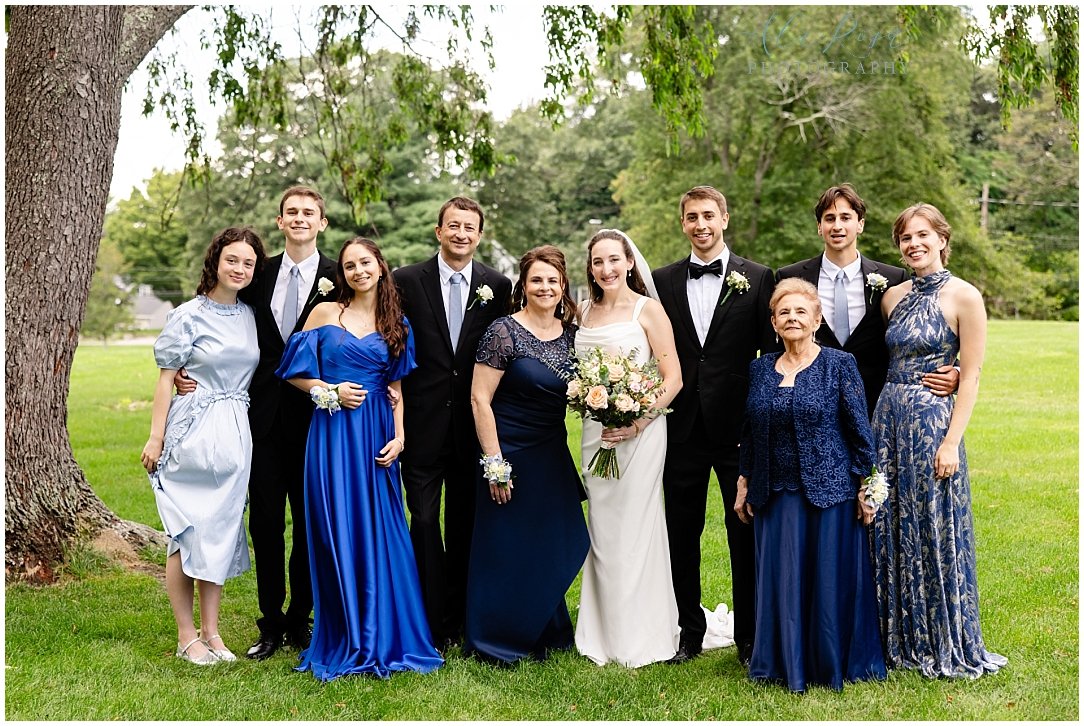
(289, 305)
(455, 307)
(841, 325)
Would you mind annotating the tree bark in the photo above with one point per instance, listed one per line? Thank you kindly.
(65, 71)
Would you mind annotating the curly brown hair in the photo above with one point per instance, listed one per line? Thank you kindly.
(389, 311)
(209, 275)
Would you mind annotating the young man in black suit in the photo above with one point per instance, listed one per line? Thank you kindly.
(282, 297)
(850, 287)
(449, 290)
(718, 304)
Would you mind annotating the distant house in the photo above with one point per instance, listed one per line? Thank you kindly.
(149, 311)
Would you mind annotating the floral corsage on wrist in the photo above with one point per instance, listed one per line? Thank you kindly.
(326, 397)
(482, 295)
(876, 283)
(875, 489)
(323, 287)
(496, 470)
(735, 281)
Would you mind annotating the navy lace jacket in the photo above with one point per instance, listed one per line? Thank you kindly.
(835, 441)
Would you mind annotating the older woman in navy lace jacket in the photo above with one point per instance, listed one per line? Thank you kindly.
(806, 446)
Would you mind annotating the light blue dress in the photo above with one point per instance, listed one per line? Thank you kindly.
(201, 481)
(923, 538)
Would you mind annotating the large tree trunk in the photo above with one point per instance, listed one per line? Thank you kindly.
(66, 68)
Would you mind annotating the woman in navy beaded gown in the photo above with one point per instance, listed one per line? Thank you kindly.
(805, 449)
(530, 537)
(368, 611)
(924, 538)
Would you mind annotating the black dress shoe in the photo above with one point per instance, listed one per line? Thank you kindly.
(299, 638)
(745, 654)
(684, 655)
(265, 647)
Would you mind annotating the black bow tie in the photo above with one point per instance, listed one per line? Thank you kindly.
(697, 271)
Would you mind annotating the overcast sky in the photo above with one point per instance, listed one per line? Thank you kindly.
(146, 143)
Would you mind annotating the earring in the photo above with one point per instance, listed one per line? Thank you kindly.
(629, 274)
(561, 309)
(777, 337)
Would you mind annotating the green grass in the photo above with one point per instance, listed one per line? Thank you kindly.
(99, 645)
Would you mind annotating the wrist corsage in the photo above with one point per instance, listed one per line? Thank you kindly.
(326, 397)
(496, 469)
(876, 486)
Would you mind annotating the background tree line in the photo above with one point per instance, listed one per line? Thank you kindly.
(778, 127)
(767, 104)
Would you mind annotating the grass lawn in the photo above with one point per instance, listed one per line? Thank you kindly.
(99, 645)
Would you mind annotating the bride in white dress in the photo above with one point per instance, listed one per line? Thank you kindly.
(627, 613)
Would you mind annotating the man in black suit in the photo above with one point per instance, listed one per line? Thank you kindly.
(282, 297)
(449, 290)
(850, 287)
(718, 304)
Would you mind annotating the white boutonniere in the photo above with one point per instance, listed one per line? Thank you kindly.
(735, 281)
(483, 294)
(876, 283)
(323, 287)
(876, 488)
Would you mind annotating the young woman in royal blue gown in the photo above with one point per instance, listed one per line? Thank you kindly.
(368, 611)
(924, 538)
(200, 446)
(530, 538)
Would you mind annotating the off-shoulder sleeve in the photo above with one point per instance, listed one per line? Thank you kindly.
(405, 363)
(855, 416)
(174, 345)
(301, 359)
(496, 346)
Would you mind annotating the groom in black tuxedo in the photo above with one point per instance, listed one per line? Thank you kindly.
(841, 274)
(282, 297)
(451, 289)
(718, 304)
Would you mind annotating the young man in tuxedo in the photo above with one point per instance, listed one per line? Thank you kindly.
(718, 304)
(449, 300)
(282, 297)
(850, 292)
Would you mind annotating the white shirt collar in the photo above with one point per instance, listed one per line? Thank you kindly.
(306, 268)
(832, 269)
(446, 271)
(723, 257)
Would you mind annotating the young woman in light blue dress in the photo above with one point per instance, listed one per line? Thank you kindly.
(200, 449)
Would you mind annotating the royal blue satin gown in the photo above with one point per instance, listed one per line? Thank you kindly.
(368, 611)
(525, 554)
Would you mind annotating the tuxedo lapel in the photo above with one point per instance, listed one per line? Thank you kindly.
(430, 283)
(474, 306)
(270, 276)
(325, 268)
(679, 277)
(735, 264)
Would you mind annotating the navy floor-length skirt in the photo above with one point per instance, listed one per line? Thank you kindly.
(816, 608)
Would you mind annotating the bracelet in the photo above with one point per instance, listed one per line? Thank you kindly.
(402, 443)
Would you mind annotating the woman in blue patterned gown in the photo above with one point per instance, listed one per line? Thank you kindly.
(805, 449)
(368, 612)
(530, 537)
(923, 539)
(200, 447)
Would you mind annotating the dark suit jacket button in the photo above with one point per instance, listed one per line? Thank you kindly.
(448, 404)
(703, 358)
(455, 373)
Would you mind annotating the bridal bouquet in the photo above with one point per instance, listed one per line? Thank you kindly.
(615, 391)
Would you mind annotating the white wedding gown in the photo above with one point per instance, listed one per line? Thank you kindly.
(627, 614)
